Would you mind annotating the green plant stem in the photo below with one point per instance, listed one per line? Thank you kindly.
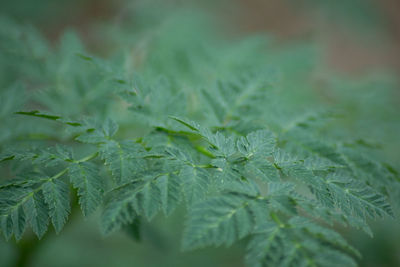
(200, 149)
(205, 152)
(92, 156)
(276, 219)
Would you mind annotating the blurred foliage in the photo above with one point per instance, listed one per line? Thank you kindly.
(177, 47)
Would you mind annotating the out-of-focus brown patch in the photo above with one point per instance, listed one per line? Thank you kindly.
(81, 17)
(345, 50)
(274, 16)
(391, 9)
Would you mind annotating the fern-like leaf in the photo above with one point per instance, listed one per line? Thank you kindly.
(220, 220)
(86, 178)
(120, 158)
(37, 213)
(56, 196)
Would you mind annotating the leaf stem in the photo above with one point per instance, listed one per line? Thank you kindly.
(87, 158)
(205, 152)
(276, 219)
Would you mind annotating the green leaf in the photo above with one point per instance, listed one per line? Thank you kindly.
(18, 218)
(39, 114)
(260, 143)
(148, 200)
(37, 213)
(110, 127)
(195, 183)
(298, 243)
(352, 197)
(13, 215)
(170, 192)
(144, 196)
(220, 220)
(293, 167)
(120, 158)
(194, 180)
(189, 124)
(324, 234)
(6, 226)
(223, 146)
(119, 209)
(215, 104)
(125, 203)
(356, 198)
(86, 178)
(56, 196)
(306, 144)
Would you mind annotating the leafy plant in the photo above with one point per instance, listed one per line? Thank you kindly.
(221, 135)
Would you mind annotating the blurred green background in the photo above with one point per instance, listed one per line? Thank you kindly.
(342, 54)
